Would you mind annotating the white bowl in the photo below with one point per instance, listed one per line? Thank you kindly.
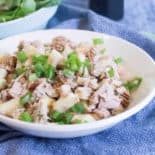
(136, 59)
(34, 21)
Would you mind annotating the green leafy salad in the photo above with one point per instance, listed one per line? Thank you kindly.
(13, 9)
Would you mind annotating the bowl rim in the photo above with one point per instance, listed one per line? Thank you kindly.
(86, 126)
(27, 16)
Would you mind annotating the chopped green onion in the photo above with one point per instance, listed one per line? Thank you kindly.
(67, 117)
(85, 64)
(111, 72)
(56, 116)
(118, 60)
(103, 51)
(40, 59)
(72, 56)
(25, 116)
(74, 66)
(32, 77)
(20, 71)
(45, 70)
(39, 69)
(78, 108)
(98, 41)
(25, 99)
(21, 56)
(49, 71)
(73, 63)
(68, 73)
(83, 69)
(132, 85)
(61, 118)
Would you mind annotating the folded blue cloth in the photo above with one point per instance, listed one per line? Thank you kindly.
(135, 135)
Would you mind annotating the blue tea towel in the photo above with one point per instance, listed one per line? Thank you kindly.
(134, 136)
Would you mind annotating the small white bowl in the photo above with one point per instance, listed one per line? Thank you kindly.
(34, 21)
(136, 59)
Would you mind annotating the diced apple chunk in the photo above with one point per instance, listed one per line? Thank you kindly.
(55, 58)
(9, 107)
(64, 103)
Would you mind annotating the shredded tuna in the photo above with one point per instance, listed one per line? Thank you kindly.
(44, 89)
(106, 98)
(17, 90)
(19, 87)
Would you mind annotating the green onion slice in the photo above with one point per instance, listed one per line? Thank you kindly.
(49, 71)
(67, 117)
(78, 108)
(98, 41)
(20, 71)
(21, 56)
(111, 72)
(68, 73)
(62, 118)
(118, 60)
(25, 116)
(56, 116)
(40, 59)
(133, 84)
(102, 51)
(25, 99)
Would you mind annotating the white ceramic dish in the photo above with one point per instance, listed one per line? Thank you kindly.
(136, 59)
(35, 21)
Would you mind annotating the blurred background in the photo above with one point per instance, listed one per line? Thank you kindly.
(138, 14)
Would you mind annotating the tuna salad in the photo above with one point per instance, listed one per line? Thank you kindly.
(64, 82)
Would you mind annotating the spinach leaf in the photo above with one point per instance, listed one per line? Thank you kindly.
(13, 9)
